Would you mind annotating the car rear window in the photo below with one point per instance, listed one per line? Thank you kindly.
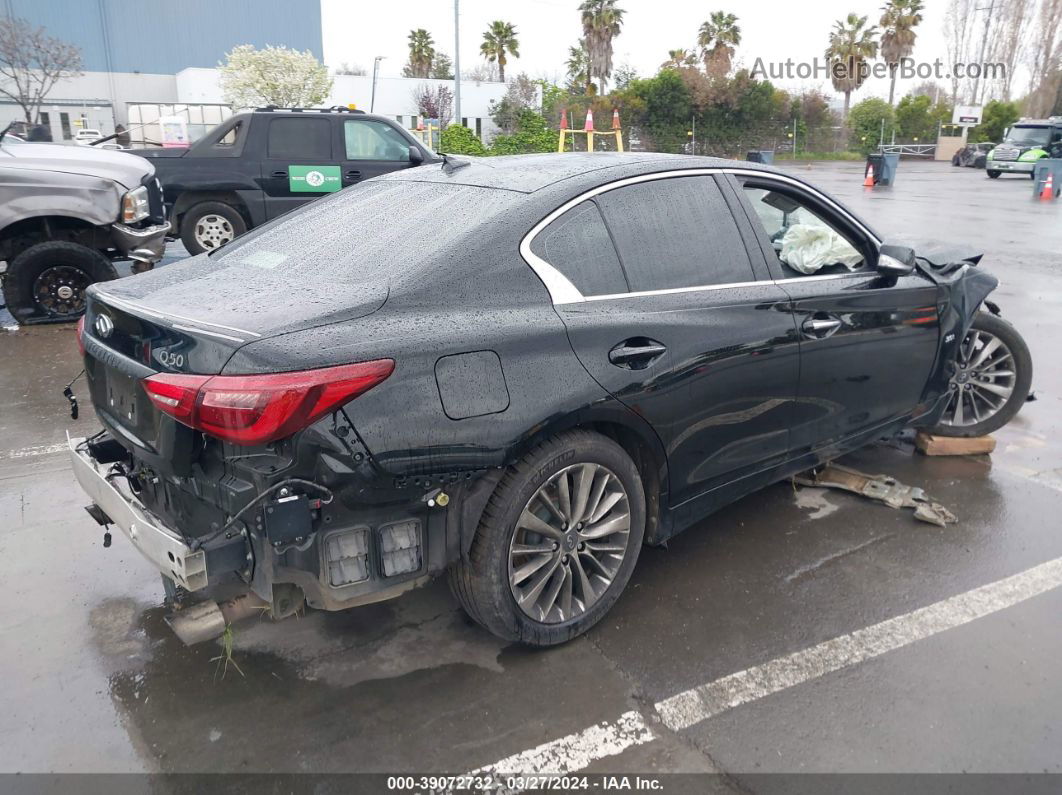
(368, 232)
(675, 232)
(578, 245)
(300, 139)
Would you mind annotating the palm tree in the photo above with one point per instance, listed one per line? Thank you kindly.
(677, 59)
(602, 20)
(498, 39)
(421, 53)
(898, 20)
(717, 39)
(852, 44)
(578, 66)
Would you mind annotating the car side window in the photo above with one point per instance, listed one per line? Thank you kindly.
(578, 245)
(803, 241)
(675, 232)
(300, 139)
(373, 140)
(228, 140)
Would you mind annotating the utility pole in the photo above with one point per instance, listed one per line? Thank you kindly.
(375, 71)
(457, 63)
(984, 43)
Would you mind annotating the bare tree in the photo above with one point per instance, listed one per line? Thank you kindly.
(1045, 59)
(350, 69)
(31, 63)
(435, 102)
(485, 72)
(1011, 41)
(959, 25)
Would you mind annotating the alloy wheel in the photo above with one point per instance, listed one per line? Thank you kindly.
(569, 544)
(983, 381)
(212, 231)
(60, 290)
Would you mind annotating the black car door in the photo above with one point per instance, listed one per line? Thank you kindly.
(371, 148)
(867, 343)
(668, 316)
(299, 163)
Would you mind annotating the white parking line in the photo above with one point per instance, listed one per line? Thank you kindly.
(693, 706)
(577, 751)
(35, 450)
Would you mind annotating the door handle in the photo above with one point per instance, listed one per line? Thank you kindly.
(820, 327)
(353, 175)
(280, 173)
(636, 353)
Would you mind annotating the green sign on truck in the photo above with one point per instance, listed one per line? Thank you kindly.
(314, 179)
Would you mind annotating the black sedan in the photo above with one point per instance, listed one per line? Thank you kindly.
(515, 371)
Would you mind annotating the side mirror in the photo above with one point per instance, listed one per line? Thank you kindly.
(416, 157)
(895, 261)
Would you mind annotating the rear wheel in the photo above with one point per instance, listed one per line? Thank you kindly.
(991, 382)
(557, 542)
(48, 281)
(992, 174)
(210, 225)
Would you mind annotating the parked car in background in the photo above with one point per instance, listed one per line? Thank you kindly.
(972, 155)
(590, 352)
(1028, 141)
(66, 215)
(87, 137)
(259, 165)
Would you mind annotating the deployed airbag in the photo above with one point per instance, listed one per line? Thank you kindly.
(808, 248)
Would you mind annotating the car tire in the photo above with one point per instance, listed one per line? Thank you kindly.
(47, 281)
(992, 174)
(486, 583)
(1020, 384)
(210, 225)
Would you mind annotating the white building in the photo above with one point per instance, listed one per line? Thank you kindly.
(100, 100)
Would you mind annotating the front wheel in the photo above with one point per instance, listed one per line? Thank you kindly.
(47, 281)
(993, 174)
(557, 542)
(992, 379)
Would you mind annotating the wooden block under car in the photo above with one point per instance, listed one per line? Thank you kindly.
(931, 444)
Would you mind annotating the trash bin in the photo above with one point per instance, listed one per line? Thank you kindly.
(884, 167)
(1052, 166)
(765, 156)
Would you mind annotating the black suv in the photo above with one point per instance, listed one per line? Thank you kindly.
(258, 165)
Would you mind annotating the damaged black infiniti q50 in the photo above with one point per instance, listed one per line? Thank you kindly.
(516, 371)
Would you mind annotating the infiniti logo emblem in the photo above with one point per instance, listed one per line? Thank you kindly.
(103, 326)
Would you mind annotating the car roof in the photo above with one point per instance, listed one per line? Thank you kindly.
(530, 173)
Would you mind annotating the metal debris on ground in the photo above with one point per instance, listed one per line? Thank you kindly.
(882, 488)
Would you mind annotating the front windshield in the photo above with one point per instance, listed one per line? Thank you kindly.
(1028, 136)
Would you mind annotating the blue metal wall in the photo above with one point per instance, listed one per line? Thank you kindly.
(166, 36)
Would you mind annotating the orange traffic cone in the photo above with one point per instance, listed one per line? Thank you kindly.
(869, 181)
(1049, 187)
(589, 126)
(564, 120)
(615, 119)
(420, 124)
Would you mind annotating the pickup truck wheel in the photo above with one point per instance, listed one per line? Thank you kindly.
(992, 379)
(992, 174)
(557, 541)
(210, 225)
(48, 281)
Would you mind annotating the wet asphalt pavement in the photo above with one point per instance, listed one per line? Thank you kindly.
(95, 682)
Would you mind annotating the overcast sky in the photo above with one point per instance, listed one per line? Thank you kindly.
(774, 30)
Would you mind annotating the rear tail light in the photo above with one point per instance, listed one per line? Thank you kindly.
(256, 409)
(81, 335)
